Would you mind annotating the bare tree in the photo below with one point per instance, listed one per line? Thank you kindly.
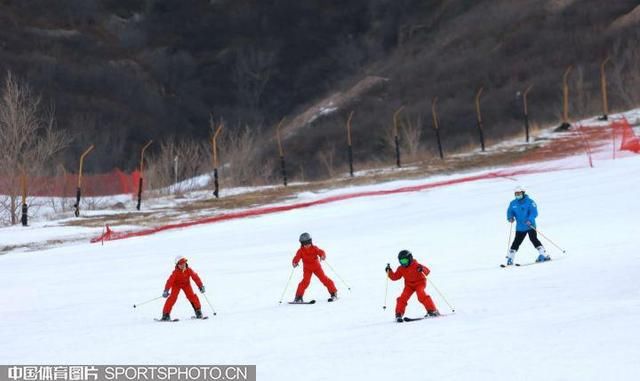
(28, 141)
(412, 133)
(238, 152)
(251, 74)
(188, 157)
(327, 158)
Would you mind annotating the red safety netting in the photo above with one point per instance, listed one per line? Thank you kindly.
(601, 141)
(629, 141)
(109, 234)
(106, 184)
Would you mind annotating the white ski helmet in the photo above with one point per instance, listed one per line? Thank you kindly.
(181, 258)
(519, 188)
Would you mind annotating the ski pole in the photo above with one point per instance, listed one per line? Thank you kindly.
(547, 238)
(209, 303)
(145, 302)
(338, 275)
(287, 285)
(441, 295)
(386, 289)
(510, 232)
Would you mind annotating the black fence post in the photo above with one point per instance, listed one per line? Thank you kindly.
(436, 125)
(283, 169)
(479, 118)
(397, 151)
(350, 152)
(349, 147)
(77, 204)
(216, 185)
(24, 219)
(397, 139)
(139, 192)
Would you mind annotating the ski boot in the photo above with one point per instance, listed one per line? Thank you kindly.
(542, 255)
(198, 314)
(165, 317)
(399, 318)
(510, 255)
(298, 299)
(334, 297)
(433, 313)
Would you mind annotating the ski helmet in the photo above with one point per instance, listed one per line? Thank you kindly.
(519, 192)
(405, 258)
(181, 259)
(305, 238)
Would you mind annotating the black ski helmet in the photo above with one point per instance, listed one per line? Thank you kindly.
(305, 238)
(405, 255)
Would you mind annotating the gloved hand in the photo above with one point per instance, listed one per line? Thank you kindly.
(165, 294)
(528, 223)
(294, 264)
(202, 289)
(511, 219)
(420, 269)
(323, 257)
(388, 268)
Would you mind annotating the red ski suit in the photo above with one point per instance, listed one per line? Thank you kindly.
(311, 265)
(414, 281)
(180, 280)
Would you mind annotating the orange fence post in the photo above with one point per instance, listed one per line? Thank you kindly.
(79, 189)
(349, 148)
(436, 125)
(214, 156)
(142, 173)
(283, 167)
(396, 138)
(479, 118)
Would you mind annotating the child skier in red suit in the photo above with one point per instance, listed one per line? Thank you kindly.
(309, 254)
(415, 280)
(180, 279)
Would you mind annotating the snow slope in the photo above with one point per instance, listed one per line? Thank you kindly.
(574, 318)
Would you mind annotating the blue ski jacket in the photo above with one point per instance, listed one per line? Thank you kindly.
(523, 210)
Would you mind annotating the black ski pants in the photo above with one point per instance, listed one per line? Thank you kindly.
(533, 236)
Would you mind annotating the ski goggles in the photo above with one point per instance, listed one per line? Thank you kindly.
(519, 195)
(404, 261)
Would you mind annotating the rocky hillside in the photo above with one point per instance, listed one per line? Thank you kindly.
(120, 72)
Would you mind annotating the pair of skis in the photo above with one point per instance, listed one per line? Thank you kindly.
(313, 301)
(175, 320)
(524, 264)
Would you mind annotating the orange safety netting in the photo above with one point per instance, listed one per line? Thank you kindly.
(106, 184)
(629, 141)
(596, 139)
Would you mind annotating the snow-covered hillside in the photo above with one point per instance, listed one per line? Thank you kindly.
(574, 318)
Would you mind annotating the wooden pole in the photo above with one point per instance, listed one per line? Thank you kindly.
(565, 99)
(140, 181)
(283, 166)
(349, 147)
(214, 157)
(436, 125)
(79, 189)
(603, 89)
(25, 208)
(525, 112)
(395, 131)
(479, 118)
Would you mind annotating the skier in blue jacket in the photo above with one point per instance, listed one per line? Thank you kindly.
(524, 211)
